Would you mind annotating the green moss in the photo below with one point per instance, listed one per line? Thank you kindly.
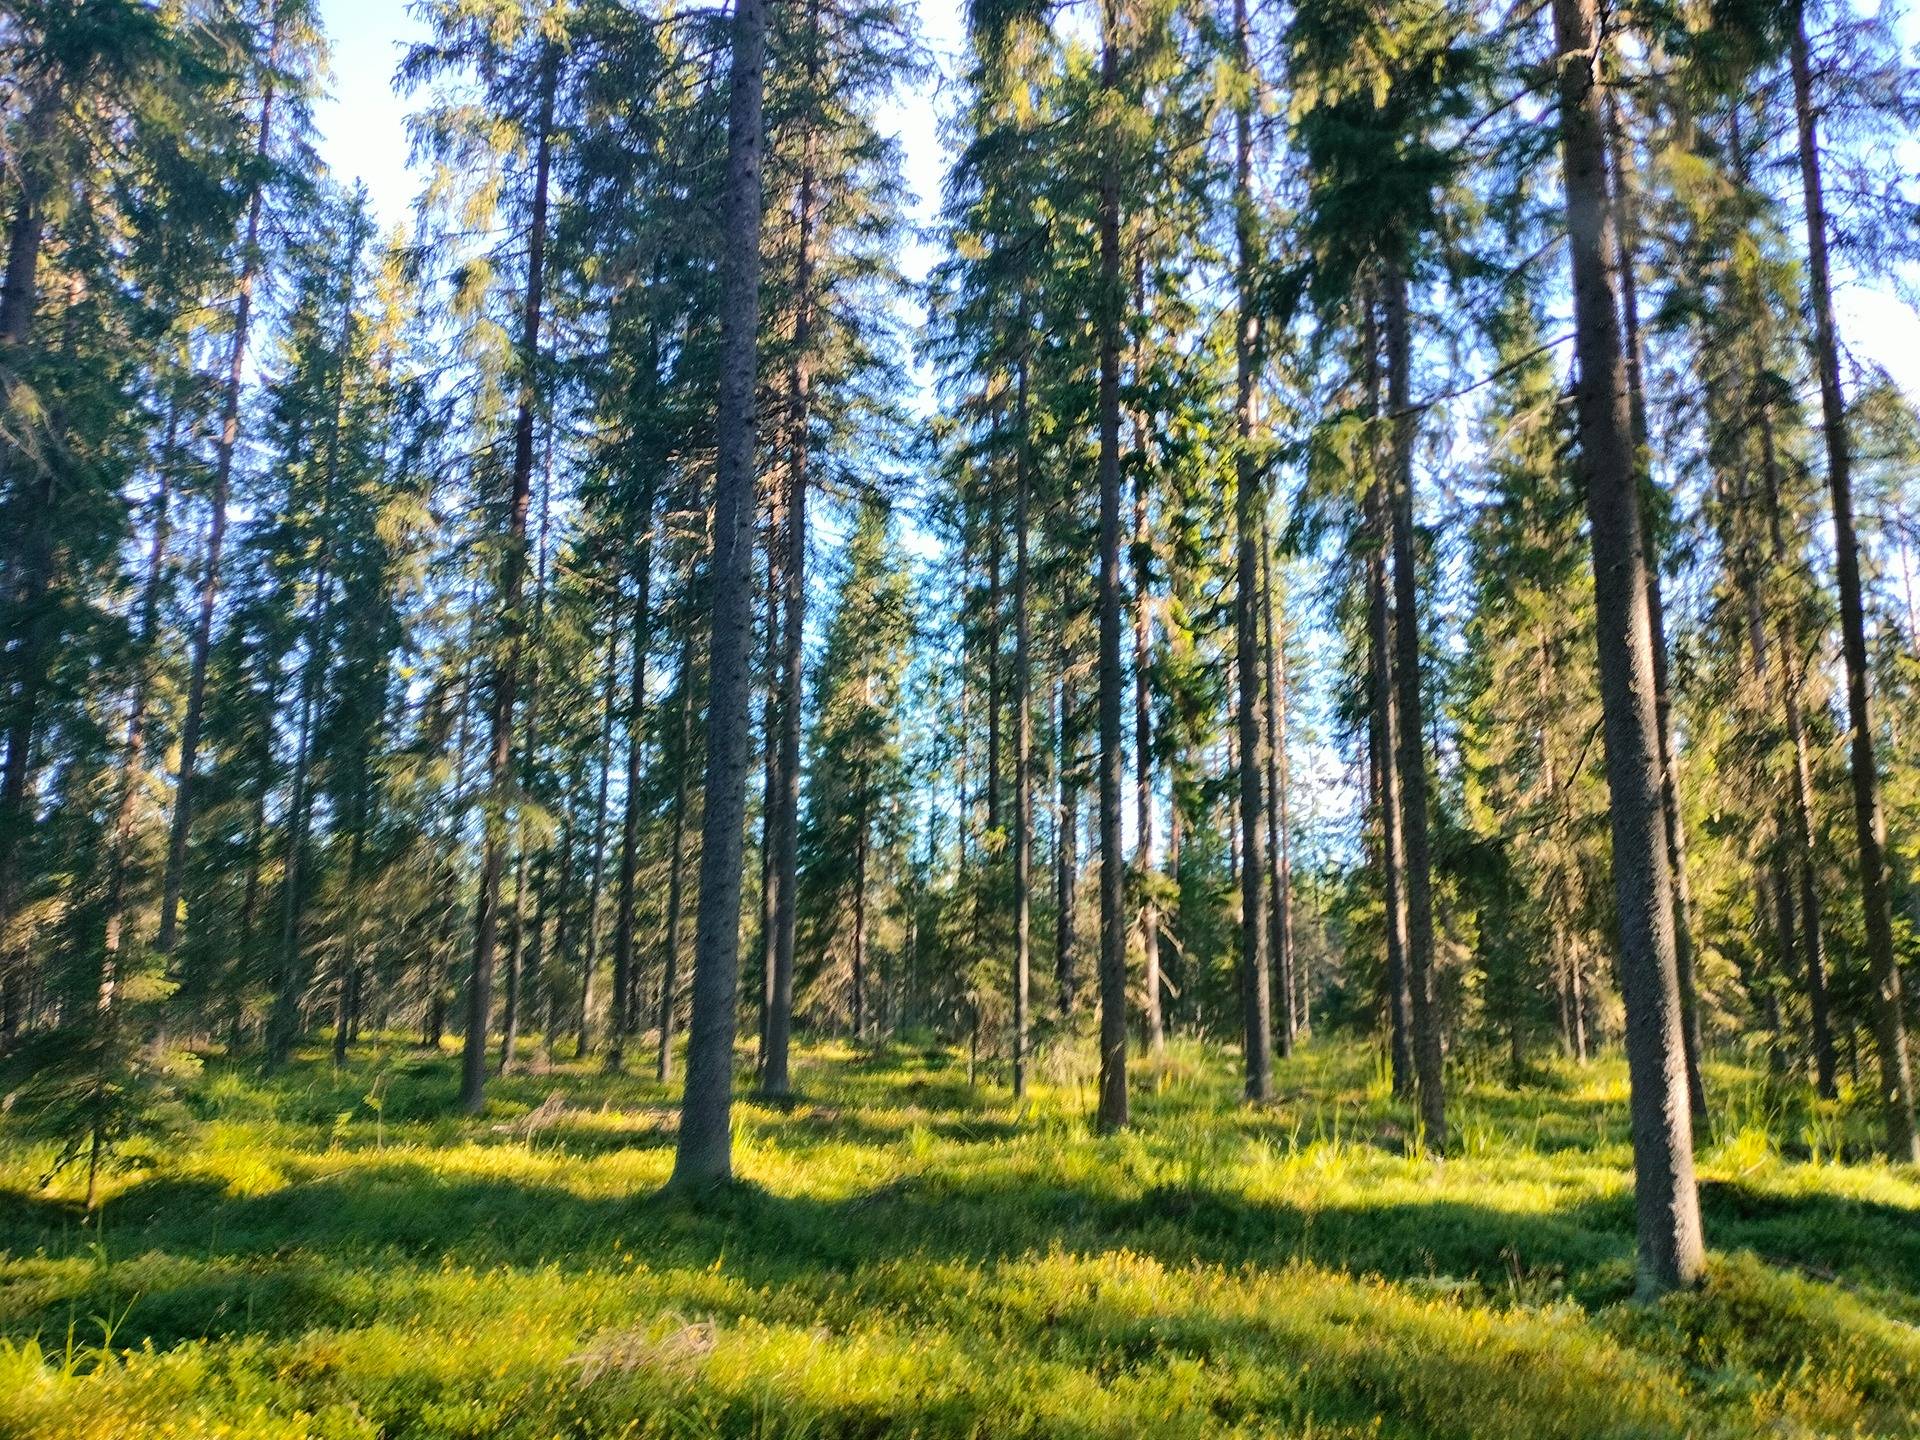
(906, 1255)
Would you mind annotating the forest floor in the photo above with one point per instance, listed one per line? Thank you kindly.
(344, 1254)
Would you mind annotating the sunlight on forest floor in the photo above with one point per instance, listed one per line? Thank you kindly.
(345, 1255)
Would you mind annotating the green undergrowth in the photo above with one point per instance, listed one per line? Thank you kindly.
(344, 1254)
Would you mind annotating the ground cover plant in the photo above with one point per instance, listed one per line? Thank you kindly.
(342, 1252)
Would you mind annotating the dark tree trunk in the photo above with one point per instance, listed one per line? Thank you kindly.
(1249, 509)
(1022, 733)
(1409, 754)
(775, 1076)
(506, 678)
(1279, 854)
(1671, 1251)
(1113, 920)
(174, 875)
(1889, 1018)
(705, 1153)
(1066, 855)
(670, 969)
(590, 964)
(1383, 737)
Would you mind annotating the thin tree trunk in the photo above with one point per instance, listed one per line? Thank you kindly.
(860, 922)
(704, 1156)
(670, 970)
(1256, 1001)
(290, 990)
(1671, 1252)
(174, 875)
(1066, 858)
(1113, 921)
(506, 677)
(1889, 1019)
(126, 805)
(1279, 857)
(1022, 732)
(583, 1038)
(775, 1078)
(1383, 736)
(1410, 752)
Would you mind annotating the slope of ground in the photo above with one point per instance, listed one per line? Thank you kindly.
(343, 1255)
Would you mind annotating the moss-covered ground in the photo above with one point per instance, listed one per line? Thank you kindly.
(344, 1254)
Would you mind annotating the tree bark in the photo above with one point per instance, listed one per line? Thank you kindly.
(1889, 1019)
(1279, 856)
(1113, 921)
(1022, 731)
(1410, 753)
(1671, 1252)
(670, 969)
(775, 1078)
(704, 1156)
(590, 964)
(506, 678)
(1256, 1000)
(1625, 247)
(179, 829)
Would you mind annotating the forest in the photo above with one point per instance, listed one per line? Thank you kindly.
(1254, 771)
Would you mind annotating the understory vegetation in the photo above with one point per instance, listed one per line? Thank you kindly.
(343, 1252)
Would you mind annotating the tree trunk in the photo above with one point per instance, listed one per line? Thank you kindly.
(1022, 732)
(1113, 921)
(670, 970)
(1383, 737)
(1279, 857)
(1671, 1251)
(1889, 1019)
(1066, 855)
(1256, 1000)
(1410, 752)
(174, 875)
(705, 1153)
(1625, 247)
(126, 805)
(290, 989)
(775, 1077)
(507, 674)
(583, 1037)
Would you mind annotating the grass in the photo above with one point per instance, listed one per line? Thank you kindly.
(344, 1255)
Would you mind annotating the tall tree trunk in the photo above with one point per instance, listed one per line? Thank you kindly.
(1625, 248)
(621, 1019)
(670, 969)
(506, 677)
(775, 1077)
(291, 977)
(1279, 857)
(1022, 729)
(1066, 854)
(1113, 920)
(250, 257)
(1812, 950)
(1671, 1252)
(1383, 738)
(1249, 509)
(30, 569)
(1143, 861)
(589, 966)
(1410, 752)
(126, 806)
(769, 781)
(1889, 1019)
(705, 1153)
(860, 919)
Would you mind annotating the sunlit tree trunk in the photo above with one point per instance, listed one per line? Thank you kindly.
(1889, 1019)
(704, 1155)
(1671, 1252)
